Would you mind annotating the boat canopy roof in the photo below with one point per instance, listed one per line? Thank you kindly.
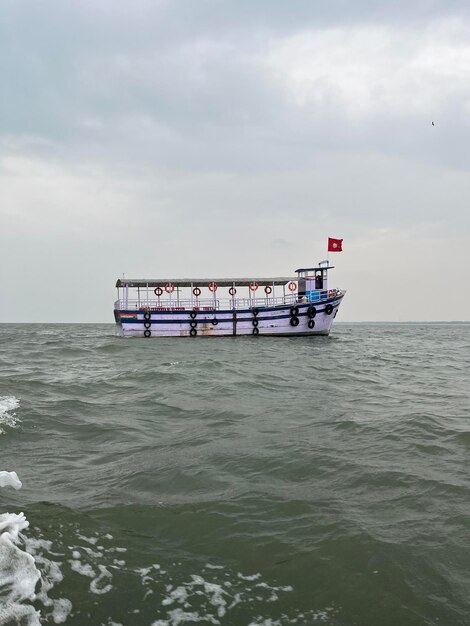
(202, 282)
(314, 269)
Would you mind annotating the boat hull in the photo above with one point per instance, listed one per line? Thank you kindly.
(301, 319)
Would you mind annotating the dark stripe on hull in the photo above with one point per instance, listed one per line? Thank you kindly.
(261, 309)
(209, 315)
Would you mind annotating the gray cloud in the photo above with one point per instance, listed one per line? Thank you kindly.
(169, 134)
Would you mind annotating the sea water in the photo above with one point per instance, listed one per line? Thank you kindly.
(239, 481)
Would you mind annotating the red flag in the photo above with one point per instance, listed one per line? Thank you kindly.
(335, 245)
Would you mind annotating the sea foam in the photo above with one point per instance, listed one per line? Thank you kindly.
(10, 479)
(8, 417)
(18, 572)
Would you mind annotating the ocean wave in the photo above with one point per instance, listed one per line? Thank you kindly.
(169, 595)
(8, 416)
(26, 574)
(18, 572)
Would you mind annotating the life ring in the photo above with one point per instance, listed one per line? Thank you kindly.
(158, 291)
(232, 291)
(193, 332)
(329, 309)
(255, 311)
(255, 323)
(255, 331)
(169, 287)
(253, 285)
(147, 324)
(331, 293)
(294, 310)
(292, 286)
(213, 287)
(147, 315)
(294, 321)
(197, 292)
(268, 290)
(147, 333)
(311, 323)
(311, 312)
(192, 315)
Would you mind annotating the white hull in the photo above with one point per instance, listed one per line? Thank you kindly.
(310, 319)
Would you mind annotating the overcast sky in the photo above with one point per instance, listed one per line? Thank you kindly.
(232, 137)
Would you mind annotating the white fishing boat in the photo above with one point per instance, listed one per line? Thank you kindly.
(220, 307)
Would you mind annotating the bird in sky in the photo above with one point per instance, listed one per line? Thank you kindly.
(432, 123)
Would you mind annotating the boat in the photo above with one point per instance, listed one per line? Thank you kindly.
(219, 307)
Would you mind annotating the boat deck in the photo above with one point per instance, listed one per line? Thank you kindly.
(174, 303)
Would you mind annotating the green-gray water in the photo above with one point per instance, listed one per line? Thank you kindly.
(241, 481)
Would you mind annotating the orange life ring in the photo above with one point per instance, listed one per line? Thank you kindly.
(232, 291)
(268, 290)
(213, 287)
(197, 292)
(169, 287)
(253, 285)
(331, 293)
(292, 286)
(158, 291)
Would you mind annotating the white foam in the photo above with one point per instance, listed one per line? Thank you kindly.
(10, 479)
(252, 577)
(57, 609)
(95, 585)
(8, 417)
(84, 569)
(92, 553)
(92, 540)
(18, 573)
(17, 614)
(178, 616)
(216, 593)
(62, 609)
(180, 594)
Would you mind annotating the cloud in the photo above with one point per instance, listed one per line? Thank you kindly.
(377, 71)
(228, 137)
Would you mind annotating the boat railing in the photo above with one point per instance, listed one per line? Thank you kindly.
(175, 303)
